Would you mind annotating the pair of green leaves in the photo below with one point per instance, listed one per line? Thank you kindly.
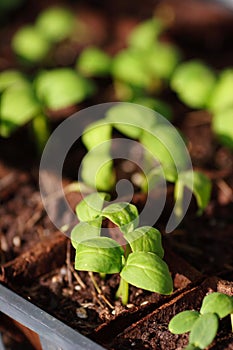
(143, 267)
(203, 325)
(23, 100)
(34, 42)
(194, 82)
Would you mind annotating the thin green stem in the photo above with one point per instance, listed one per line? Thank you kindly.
(40, 131)
(178, 195)
(231, 315)
(123, 291)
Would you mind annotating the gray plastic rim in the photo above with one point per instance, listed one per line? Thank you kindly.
(53, 333)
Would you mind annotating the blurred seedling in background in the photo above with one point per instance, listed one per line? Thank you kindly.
(160, 143)
(24, 101)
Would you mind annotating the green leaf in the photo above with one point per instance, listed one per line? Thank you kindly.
(221, 97)
(147, 271)
(90, 207)
(101, 254)
(130, 119)
(155, 104)
(183, 322)
(30, 44)
(84, 231)
(199, 184)
(145, 239)
(166, 145)
(122, 214)
(61, 87)
(97, 170)
(218, 303)
(193, 81)
(222, 126)
(204, 330)
(55, 23)
(161, 60)
(93, 62)
(143, 36)
(128, 66)
(18, 106)
(97, 133)
(10, 77)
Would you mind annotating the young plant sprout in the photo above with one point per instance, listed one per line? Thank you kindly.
(146, 64)
(193, 82)
(221, 97)
(19, 106)
(93, 62)
(144, 35)
(32, 43)
(222, 126)
(61, 87)
(139, 264)
(55, 23)
(203, 325)
(158, 143)
(29, 44)
(23, 101)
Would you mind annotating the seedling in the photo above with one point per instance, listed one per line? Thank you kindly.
(23, 101)
(193, 82)
(61, 87)
(203, 325)
(145, 34)
(93, 62)
(55, 23)
(146, 64)
(222, 126)
(139, 264)
(160, 142)
(221, 97)
(32, 43)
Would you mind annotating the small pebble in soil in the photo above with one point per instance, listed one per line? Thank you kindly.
(16, 241)
(3, 244)
(144, 303)
(77, 287)
(129, 306)
(63, 271)
(81, 312)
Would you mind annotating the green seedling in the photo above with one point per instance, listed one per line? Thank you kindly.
(55, 23)
(222, 126)
(29, 44)
(145, 70)
(145, 34)
(221, 97)
(160, 142)
(32, 43)
(93, 62)
(23, 101)
(203, 325)
(147, 63)
(61, 87)
(20, 106)
(139, 264)
(193, 82)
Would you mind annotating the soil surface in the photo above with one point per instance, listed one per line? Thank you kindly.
(37, 261)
